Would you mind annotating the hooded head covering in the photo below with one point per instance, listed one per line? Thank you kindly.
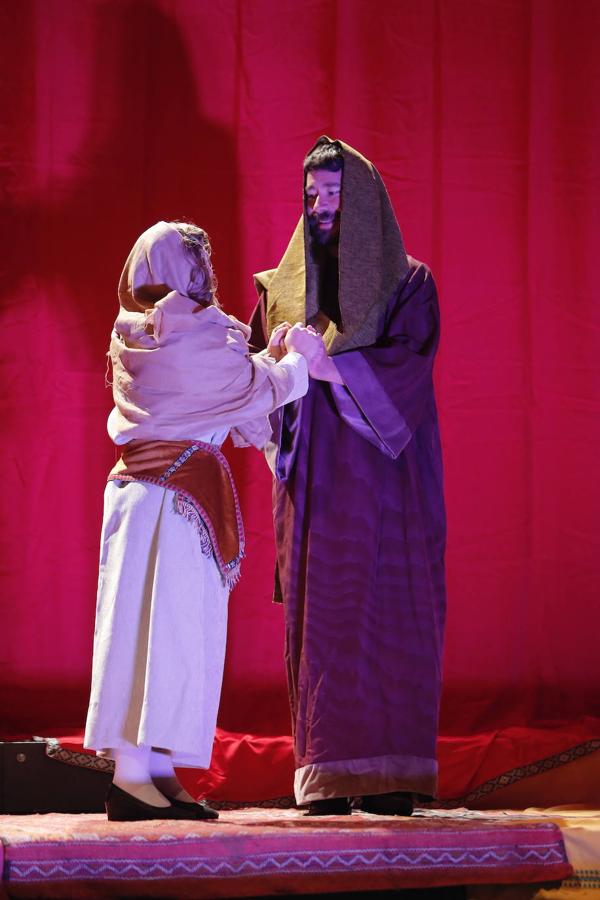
(182, 369)
(372, 261)
(158, 264)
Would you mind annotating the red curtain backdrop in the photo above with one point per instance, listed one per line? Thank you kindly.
(483, 117)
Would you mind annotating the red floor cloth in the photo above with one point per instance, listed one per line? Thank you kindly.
(246, 767)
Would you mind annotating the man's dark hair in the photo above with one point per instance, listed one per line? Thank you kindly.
(325, 156)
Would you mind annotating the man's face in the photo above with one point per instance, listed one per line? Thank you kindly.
(323, 194)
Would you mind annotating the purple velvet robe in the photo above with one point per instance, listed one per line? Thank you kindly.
(360, 533)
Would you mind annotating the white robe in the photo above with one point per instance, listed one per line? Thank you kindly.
(161, 621)
(161, 624)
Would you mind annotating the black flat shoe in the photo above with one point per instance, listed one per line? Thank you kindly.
(396, 803)
(333, 806)
(199, 808)
(124, 807)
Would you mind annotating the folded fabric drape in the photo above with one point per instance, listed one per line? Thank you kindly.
(200, 477)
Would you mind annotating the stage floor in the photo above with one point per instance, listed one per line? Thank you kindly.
(261, 852)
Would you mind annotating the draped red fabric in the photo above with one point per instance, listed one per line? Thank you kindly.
(483, 117)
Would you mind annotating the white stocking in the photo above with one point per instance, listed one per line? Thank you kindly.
(164, 777)
(132, 774)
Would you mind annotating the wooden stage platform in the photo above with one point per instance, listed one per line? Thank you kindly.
(264, 852)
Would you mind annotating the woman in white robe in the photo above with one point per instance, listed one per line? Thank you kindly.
(182, 372)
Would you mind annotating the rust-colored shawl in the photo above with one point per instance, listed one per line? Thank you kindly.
(372, 262)
(203, 492)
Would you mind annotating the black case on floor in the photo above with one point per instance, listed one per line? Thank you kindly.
(31, 782)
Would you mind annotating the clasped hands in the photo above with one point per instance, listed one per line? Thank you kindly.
(306, 340)
(301, 338)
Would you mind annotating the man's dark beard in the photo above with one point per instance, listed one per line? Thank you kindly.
(324, 238)
(325, 254)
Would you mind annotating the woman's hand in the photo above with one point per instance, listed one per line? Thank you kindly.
(276, 346)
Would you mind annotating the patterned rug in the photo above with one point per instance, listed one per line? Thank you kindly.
(258, 852)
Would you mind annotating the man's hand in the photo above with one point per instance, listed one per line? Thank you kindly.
(276, 346)
(305, 341)
(323, 368)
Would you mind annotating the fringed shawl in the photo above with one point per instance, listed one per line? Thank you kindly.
(204, 492)
(181, 370)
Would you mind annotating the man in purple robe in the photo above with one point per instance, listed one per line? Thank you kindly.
(358, 496)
